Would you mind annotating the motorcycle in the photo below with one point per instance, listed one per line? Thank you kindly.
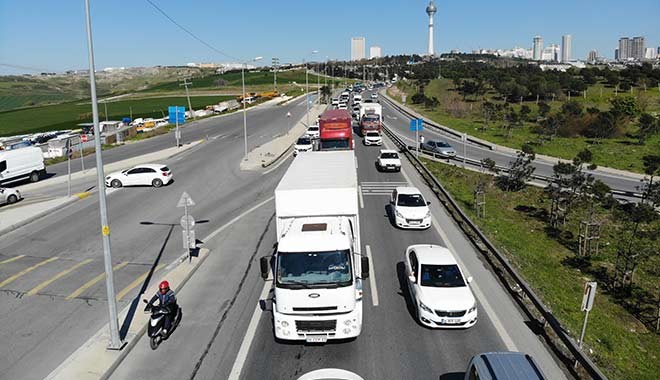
(157, 323)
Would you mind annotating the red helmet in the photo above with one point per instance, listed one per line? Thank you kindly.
(164, 285)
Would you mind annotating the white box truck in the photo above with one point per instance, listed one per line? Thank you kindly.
(317, 268)
(19, 163)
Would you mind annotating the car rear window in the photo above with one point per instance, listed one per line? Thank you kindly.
(164, 169)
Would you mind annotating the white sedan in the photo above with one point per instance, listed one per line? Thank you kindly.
(142, 175)
(438, 288)
(389, 160)
(304, 144)
(373, 138)
(313, 132)
(9, 195)
(410, 209)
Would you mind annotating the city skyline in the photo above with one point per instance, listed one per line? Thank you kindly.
(403, 29)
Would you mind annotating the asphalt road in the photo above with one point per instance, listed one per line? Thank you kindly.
(392, 344)
(400, 123)
(44, 321)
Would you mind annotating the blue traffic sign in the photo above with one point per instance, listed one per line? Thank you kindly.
(416, 125)
(176, 114)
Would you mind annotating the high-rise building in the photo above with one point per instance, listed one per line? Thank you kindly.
(551, 53)
(375, 52)
(357, 48)
(430, 10)
(538, 48)
(649, 53)
(637, 47)
(593, 56)
(616, 54)
(566, 47)
(631, 48)
(625, 48)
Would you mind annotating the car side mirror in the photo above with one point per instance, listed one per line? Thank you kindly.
(412, 278)
(428, 203)
(365, 268)
(469, 279)
(264, 264)
(145, 301)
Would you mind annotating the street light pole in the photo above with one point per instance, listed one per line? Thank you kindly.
(243, 67)
(115, 340)
(306, 91)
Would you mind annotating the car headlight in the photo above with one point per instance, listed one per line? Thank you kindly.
(424, 307)
(428, 214)
(473, 308)
(398, 214)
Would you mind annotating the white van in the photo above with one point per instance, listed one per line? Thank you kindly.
(19, 163)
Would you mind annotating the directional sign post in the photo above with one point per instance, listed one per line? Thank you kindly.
(587, 304)
(417, 125)
(177, 115)
(187, 222)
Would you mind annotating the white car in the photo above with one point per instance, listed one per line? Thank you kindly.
(342, 106)
(9, 195)
(373, 138)
(389, 160)
(410, 209)
(304, 144)
(335, 101)
(146, 175)
(313, 132)
(374, 96)
(438, 288)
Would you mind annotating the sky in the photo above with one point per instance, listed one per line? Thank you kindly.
(49, 35)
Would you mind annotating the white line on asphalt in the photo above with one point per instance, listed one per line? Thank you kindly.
(506, 338)
(372, 277)
(277, 165)
(356, 164)
(237, 368)
(361, 198)
(228, 224)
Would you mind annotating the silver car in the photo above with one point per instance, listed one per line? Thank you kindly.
(439, 147)
(9, 195)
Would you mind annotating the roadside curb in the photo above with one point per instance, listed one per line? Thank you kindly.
(40, 215)
(93, 360)
(267, 164)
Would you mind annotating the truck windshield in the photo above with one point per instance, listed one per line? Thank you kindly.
(371, 119)
(335, 144)
(314, 269)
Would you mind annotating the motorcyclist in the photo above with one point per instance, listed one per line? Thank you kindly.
(166, 299)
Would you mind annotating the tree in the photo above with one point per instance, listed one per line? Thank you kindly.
(624, 107)
(513, 121)
(325, 93)
(518, 173)
(604, 126)
(544, 108)
(418, 98)
(525, 111)
(490, 111)
(467, 88)
(572, 108)
(648, 126)
(650, 188)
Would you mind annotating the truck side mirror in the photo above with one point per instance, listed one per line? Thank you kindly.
(264, 264)
(365, 268)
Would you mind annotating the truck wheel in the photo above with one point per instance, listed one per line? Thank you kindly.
(12, 199)
(157, 183)
(116, 183)
(34, 176)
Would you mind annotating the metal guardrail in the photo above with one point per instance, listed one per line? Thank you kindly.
(511, 279)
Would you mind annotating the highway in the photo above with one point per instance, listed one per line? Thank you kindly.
(230, 333)
(400, 123)
(52, 289)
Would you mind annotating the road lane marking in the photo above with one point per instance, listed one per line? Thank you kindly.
(372, 277)
(237, 368)
(93, 281)
(361, 197)
(12, 259)
(228, 224)
(135, 283)
(26, 270)
(63, 273)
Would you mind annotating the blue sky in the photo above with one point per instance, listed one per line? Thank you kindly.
(50, 34)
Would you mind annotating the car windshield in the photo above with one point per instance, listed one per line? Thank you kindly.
(441, 276)
(442, 144)
(334, 144)
(313, 129)
(389, 155)
(411, 200)
(373, 134)
(314, 269)
(304, 141)
(164, 169)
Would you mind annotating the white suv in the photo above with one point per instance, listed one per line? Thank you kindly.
(313, 132)
(438, 288)
(373, 138)
(410, 209)
(389, 160)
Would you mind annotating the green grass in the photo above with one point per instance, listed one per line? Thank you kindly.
(620, 153)
(622, 346)
(66, 116)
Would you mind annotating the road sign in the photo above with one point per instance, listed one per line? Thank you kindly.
(83, 138)
(176, 114)
(189, 240)
(589, 295)
(416, 125)
(187, 221)
(185, 200)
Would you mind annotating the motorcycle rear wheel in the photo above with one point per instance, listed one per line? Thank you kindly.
(154, 342)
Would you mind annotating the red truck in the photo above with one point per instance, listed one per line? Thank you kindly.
(336, 130)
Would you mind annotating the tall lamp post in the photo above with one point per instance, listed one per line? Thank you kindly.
(307, 84)
(245, 105)
(115, 340)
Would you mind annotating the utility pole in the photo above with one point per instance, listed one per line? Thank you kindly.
(276, 64)
(115, 340)
(105, 104)
(186, 84)
(306, 90)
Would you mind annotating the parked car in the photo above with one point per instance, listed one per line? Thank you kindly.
(507, 365)
(313, 131)
(304, 144)
(439, 147)
(155, 175)
(373, 138)
(410, 209)
(438, 288)
(389, 160)
(9, 195)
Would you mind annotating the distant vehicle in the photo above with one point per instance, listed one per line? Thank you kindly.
(330, 374)
(9, 195)
(373, 138)
(335, 101)
(336, 130)
(374, 95)
(409, 208)
(438, 288)
(304, 144)
(440, 147)
(344, 97)
(507, 365)
(19, 163)
(312, 132)
(155, 175)
(371, 117)
(342, 106)
(357, 99)
(389, 160)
